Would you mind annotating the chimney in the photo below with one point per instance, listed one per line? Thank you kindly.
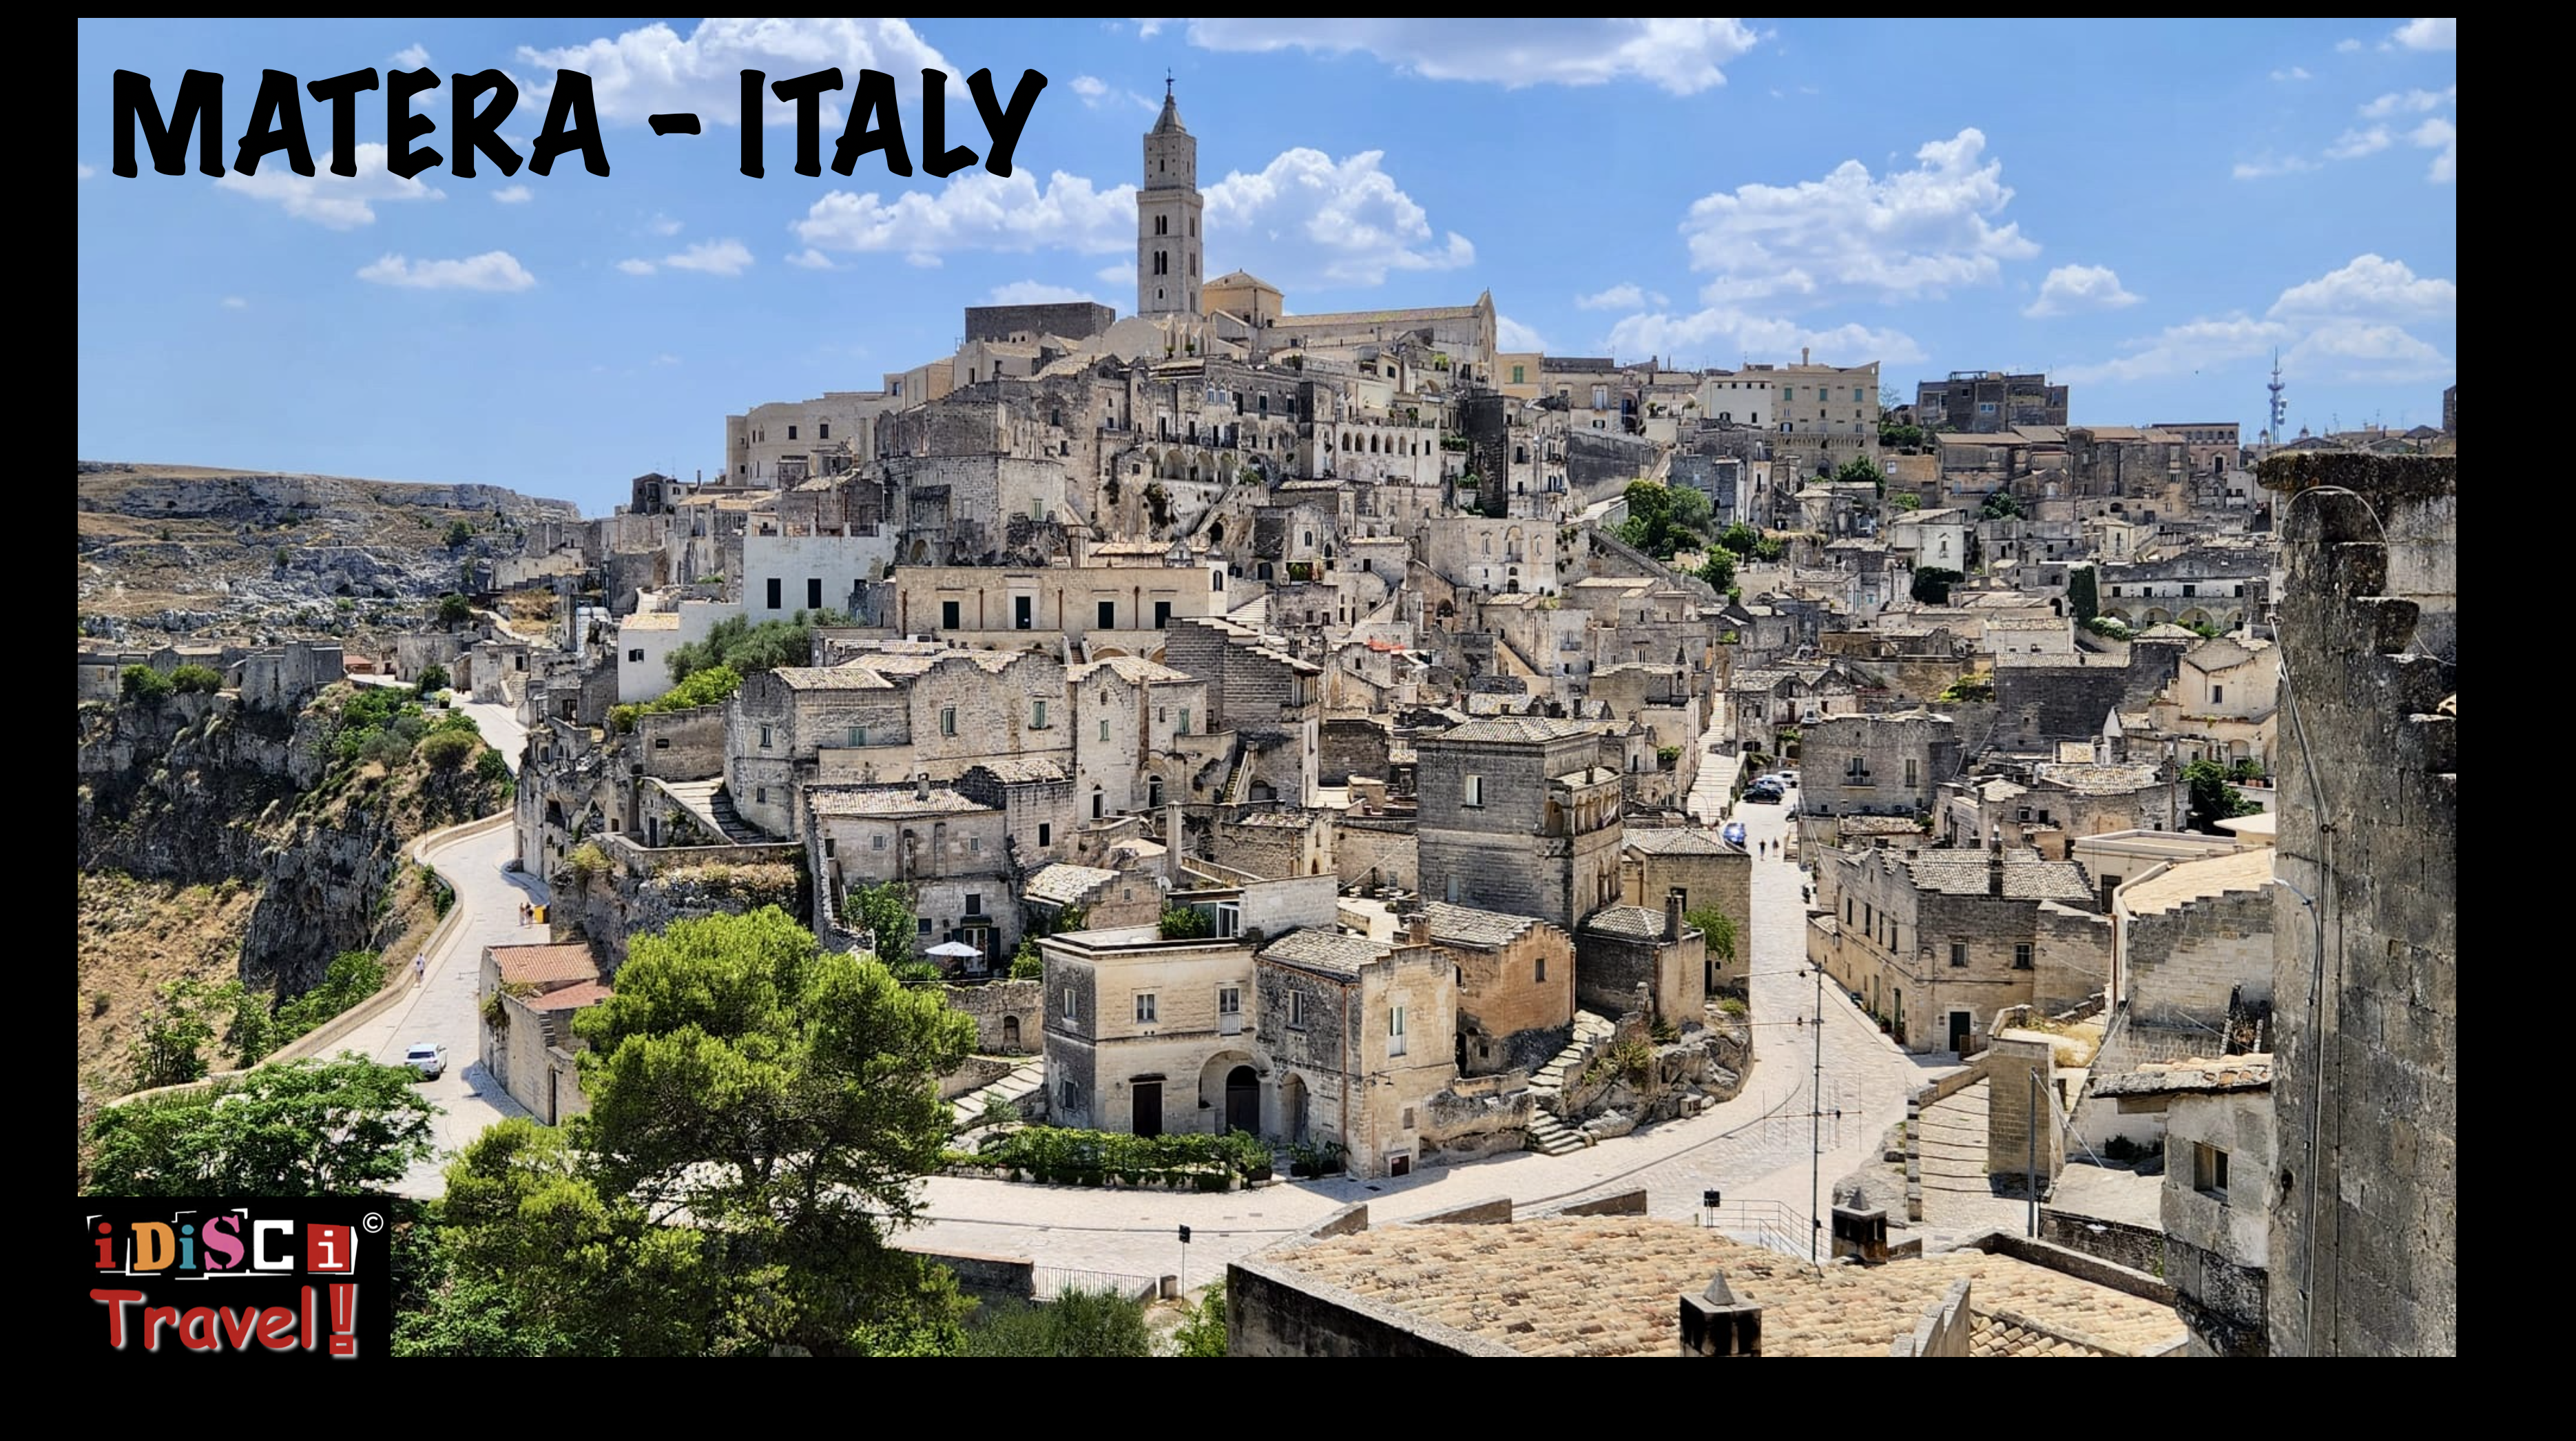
(1417, 927)
(1995, 863)
(1672, 915)
(1802, 355)
(921, 786)
(1715, 1323)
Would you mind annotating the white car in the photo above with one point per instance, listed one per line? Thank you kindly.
(429, 1060)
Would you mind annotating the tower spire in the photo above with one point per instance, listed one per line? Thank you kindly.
(2280, 407)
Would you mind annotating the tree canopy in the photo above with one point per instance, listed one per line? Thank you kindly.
(736, 643)
(293, 1128)
(2212, 799)
(2083, 593)
(760, 1110)
(1663, 518)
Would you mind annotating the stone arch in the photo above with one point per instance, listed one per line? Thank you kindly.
(2156, 615)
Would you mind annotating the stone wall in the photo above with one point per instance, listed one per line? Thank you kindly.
(2364, 1243)
(1945, 1329)
(1074, 320)
(2036, 705)
(1376, 852)
(2011, 1114)
(2071, 957)
(1353, 746)
(2184, 965)
(2140, 1248)
(997, 1001)
(685, 745)
(1273, 1311)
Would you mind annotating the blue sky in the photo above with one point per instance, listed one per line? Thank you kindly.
(2144, 210)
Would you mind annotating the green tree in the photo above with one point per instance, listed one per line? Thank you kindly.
(1082, 1323)
(1182, 923)
(448, 750)
(1740, 538)
(2001, 505)
(294, 1128)
(784, 1098)
(1719, 569)
(433, 678)
(1719, 928)
(142, 685)
(169, 1044)
(746, 648)
(455, 612)
(1203, 1334)
(2211, 798)
(1932, 584)
(1770, 550)
(459, 535)
(2083, 595)
(883, 913)
(196, 680)
(1663, 518)
(1861, 470)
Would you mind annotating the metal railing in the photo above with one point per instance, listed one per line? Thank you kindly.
(1772, 1225)
(1048, 1282)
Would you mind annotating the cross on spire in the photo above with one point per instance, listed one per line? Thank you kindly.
(1167, 82)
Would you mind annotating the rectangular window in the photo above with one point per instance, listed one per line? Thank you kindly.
(1108, 615)
(774, 584)
(974, 847)
(1909, 772)
(948, 720)
(948, 615)
(1959, 955)
(1104, 727)
(858, 736)
(823, 431)
(1229, 1000)
(1296, 1010)
(974, 903)
(1520, 374)
(760, 795)
(1021, 612)
(1072, 1006)
(635, 655)
(1145, 1008)
(1046, 833)
(1162, 614)
(791, 432)
(1037, 714)
(877, 842)
(2209, 1170)
(813, 593)
(922, 925)
(2218, 695)
(1184, 727)
(764, 737)
(2021, 955)
(827, 846)
(1395, 1031)
(1472, 793)
(1542, 969)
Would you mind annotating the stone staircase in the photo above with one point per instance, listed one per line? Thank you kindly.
(1548, 1133)
(1009, 1090)
(712, 805)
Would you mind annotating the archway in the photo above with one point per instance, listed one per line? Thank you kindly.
(1010, 1033)
(1292, 1108)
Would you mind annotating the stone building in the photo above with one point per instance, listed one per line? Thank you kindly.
(1984, 402)
(1706, 872)
(1935, 942)
(1627, 953)
(1169, 209)
(950, 851)
(2218, 1150)
(1876, 764)
(531, 1049)
(2364, 1239)
(1516, 813)
(1152, 1037)
(1365, 1036)
(1515, 986)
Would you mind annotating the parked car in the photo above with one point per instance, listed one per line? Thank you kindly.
(1734, 833)
(430, 1060)
(1763, 795)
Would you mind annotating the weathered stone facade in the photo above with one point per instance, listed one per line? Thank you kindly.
(1517, 815)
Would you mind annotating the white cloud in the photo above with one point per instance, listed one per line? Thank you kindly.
(492, 270)
(1623, 296)
(810, 259)
(1089, 87)
(339, 202)
(1723, 335)
(977, 210)
(2439, 135)
(713, 257)
(1510, 334)
(636, 267)
(2362, 350)
(1148, 29)
(2268, 164)
(2294, 72)
(1034, 292)
(1906, 234)
(1678, 55)
(514, 195)
(2182, 349)
(411, 57)
(2076, 289)
(2410, 102)
(2347, 45)
(1306, 219)
(1096, 93)
(85, 171)
(651, 70)
(235, 302)
(2425, 35)
(1116, 274)
(2374, 287)
(2353, 144)
(662, 224)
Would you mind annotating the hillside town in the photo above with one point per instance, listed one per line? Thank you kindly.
(1808, 838)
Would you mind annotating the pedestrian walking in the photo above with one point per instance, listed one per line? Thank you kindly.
(419, 969)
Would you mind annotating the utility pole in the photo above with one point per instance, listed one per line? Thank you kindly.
(1816, 1124)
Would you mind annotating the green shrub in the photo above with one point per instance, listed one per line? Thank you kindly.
(1027, 964)
(433, 677)
(491, 767)
(454, 611)
(587, 861)
(1077, 1322)
(1203, 1334)
(459, 534)
(141, 684)
(447, 750)
(1183, 923)
(1061, 1156)
(196, 680)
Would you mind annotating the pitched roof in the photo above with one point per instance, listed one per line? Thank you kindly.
(560, 963)
(1517, 729)
(1022, 770)
(1315, 948)
(895, 800)
(2096, 780)
(1468, 926)
(1066, 884)
(1634, 923)
(1679, 841)
(574, 997)
(2026, 877)
(852, 676)
(2165, 1078)
(2186, 881)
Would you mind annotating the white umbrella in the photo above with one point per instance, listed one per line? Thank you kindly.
(953, 948)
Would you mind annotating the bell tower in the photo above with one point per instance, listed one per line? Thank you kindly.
(1168, 262)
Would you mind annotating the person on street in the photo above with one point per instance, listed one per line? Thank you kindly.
(419, 969)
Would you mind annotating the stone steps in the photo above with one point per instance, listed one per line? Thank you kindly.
(1009, 1090)
(1591, 1033)
(1551, 1137)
